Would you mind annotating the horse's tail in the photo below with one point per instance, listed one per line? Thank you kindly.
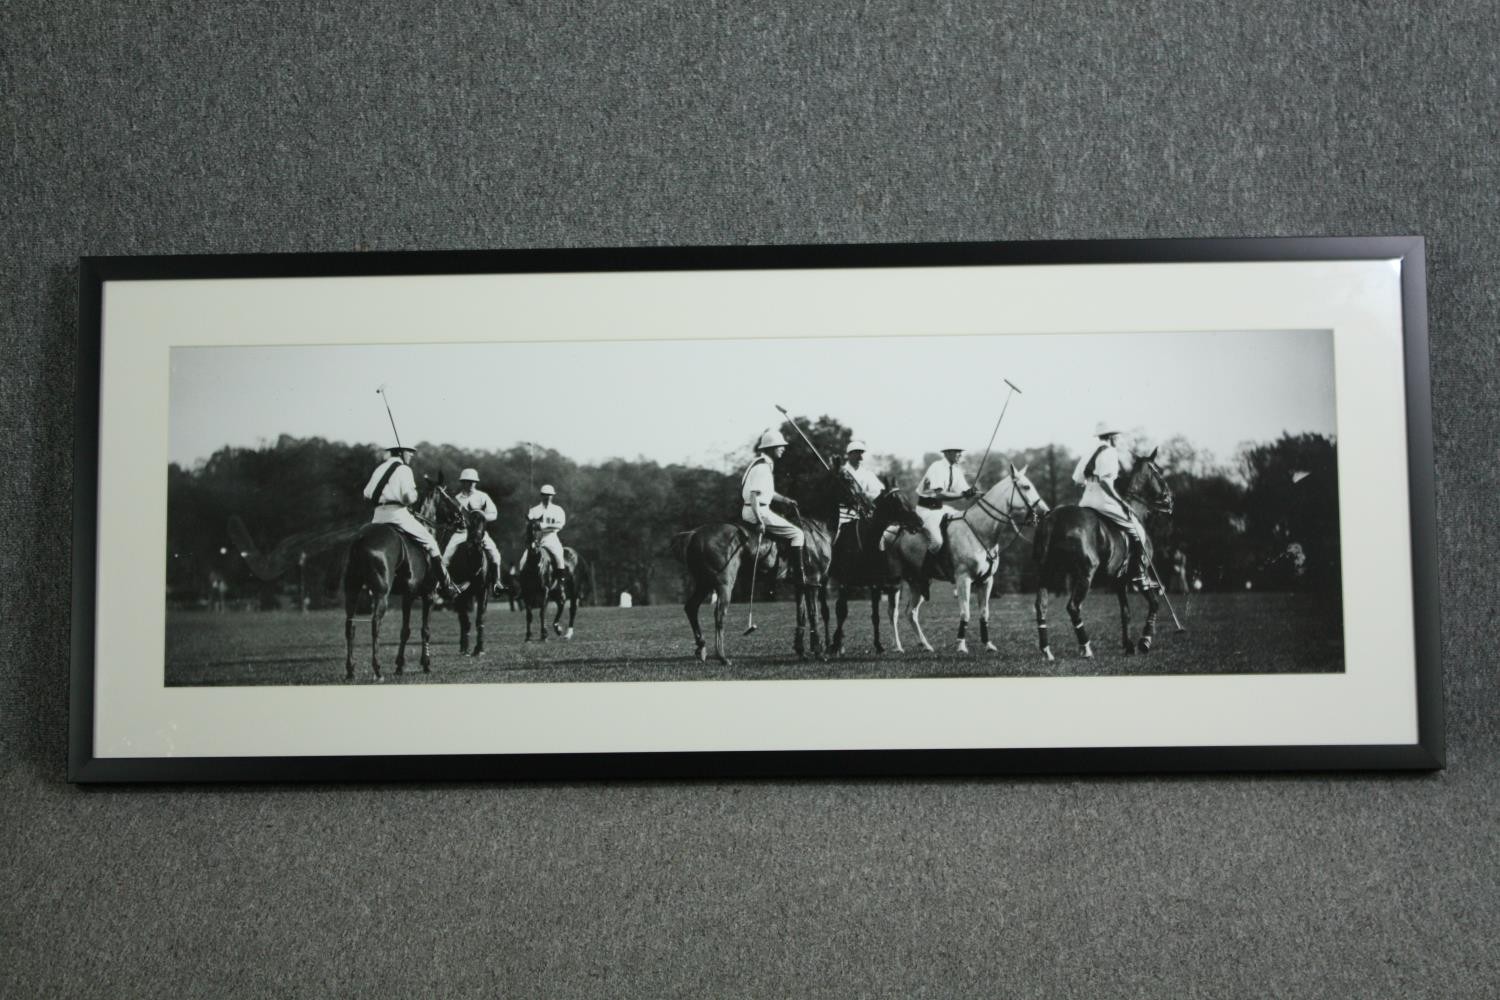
(676, 547)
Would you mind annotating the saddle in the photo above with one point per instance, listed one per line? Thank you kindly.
(939, 564)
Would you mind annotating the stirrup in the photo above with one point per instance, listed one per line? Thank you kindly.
(1141, 584)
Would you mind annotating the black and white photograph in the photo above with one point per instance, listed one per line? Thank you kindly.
(824, 508)
(611, 506)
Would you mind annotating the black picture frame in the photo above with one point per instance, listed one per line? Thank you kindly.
(1426, 752)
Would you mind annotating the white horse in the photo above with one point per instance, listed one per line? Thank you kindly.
(971, 550)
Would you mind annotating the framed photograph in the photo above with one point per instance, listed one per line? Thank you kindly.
(1159, 505)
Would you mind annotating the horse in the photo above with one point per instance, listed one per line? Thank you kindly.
(972, 544)
(859, 560)
(474, 575)
(1076, 545)
(539, 582)
(384, 561)
(713, 555)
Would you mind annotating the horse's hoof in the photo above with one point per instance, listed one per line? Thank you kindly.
(463, 649)
(478, 651)
(962, 647)
(569, 634)
(724, 661)
(1129, 649)
(1088, 651)
(1048, 654)
(992, 647)
(928, 646)
(1144, 646)
(556, 628)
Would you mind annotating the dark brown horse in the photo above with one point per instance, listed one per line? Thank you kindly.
(859, 560)
(540, 582)
(1076, 546)
(474, 575)
(384, 561)
(714, 556)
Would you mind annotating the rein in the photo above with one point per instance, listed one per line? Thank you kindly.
(984, 504)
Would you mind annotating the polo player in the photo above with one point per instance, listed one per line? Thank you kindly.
(471, 497)
(758, 492)
(548, 518)
(944, 481)
(393, 489)
(861, 482)
(1096, 473)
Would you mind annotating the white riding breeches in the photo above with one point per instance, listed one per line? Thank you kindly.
(554, 548)
(775, 526)
(404, 520)
(932, 520)
(1112, 513)
(458, 539)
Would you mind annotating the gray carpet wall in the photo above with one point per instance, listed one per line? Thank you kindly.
(298, 126)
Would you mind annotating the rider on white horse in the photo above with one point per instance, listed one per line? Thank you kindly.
(1096, 473)
(861, 483)
(548, 518)
(758, 491)
(944, 481)
(471, 497)
(392, 489)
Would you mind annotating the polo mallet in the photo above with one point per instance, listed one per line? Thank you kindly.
(1013, 390)
(384, 399)
(754, 565)
(798, 428)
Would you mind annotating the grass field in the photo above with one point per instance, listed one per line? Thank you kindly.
(1226, 633)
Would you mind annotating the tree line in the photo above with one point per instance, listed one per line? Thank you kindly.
(1266, 519)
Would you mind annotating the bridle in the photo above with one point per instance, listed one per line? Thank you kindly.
(434, 522)
(1160, 504)
(1031, 517)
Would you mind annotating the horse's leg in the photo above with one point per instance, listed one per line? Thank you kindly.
(572, 611)
(895, 609)
(694, 602)
(823, 610)
(1122, 591)
(1153, 603)
(527, 605)
(377, 612)
(962, 585)
(721, 609)
(1042, 597)
(350, 603)
(797, 644)
(405, 631)
(481, 604)
(841, 612)
(1080, 590)
(984, 613)
(462, 607)
(919, 597)
(426, 659)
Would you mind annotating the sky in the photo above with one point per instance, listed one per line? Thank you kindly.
(696, 401)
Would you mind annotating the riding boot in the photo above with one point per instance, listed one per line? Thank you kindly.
(445, 583)
(1138, 579)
